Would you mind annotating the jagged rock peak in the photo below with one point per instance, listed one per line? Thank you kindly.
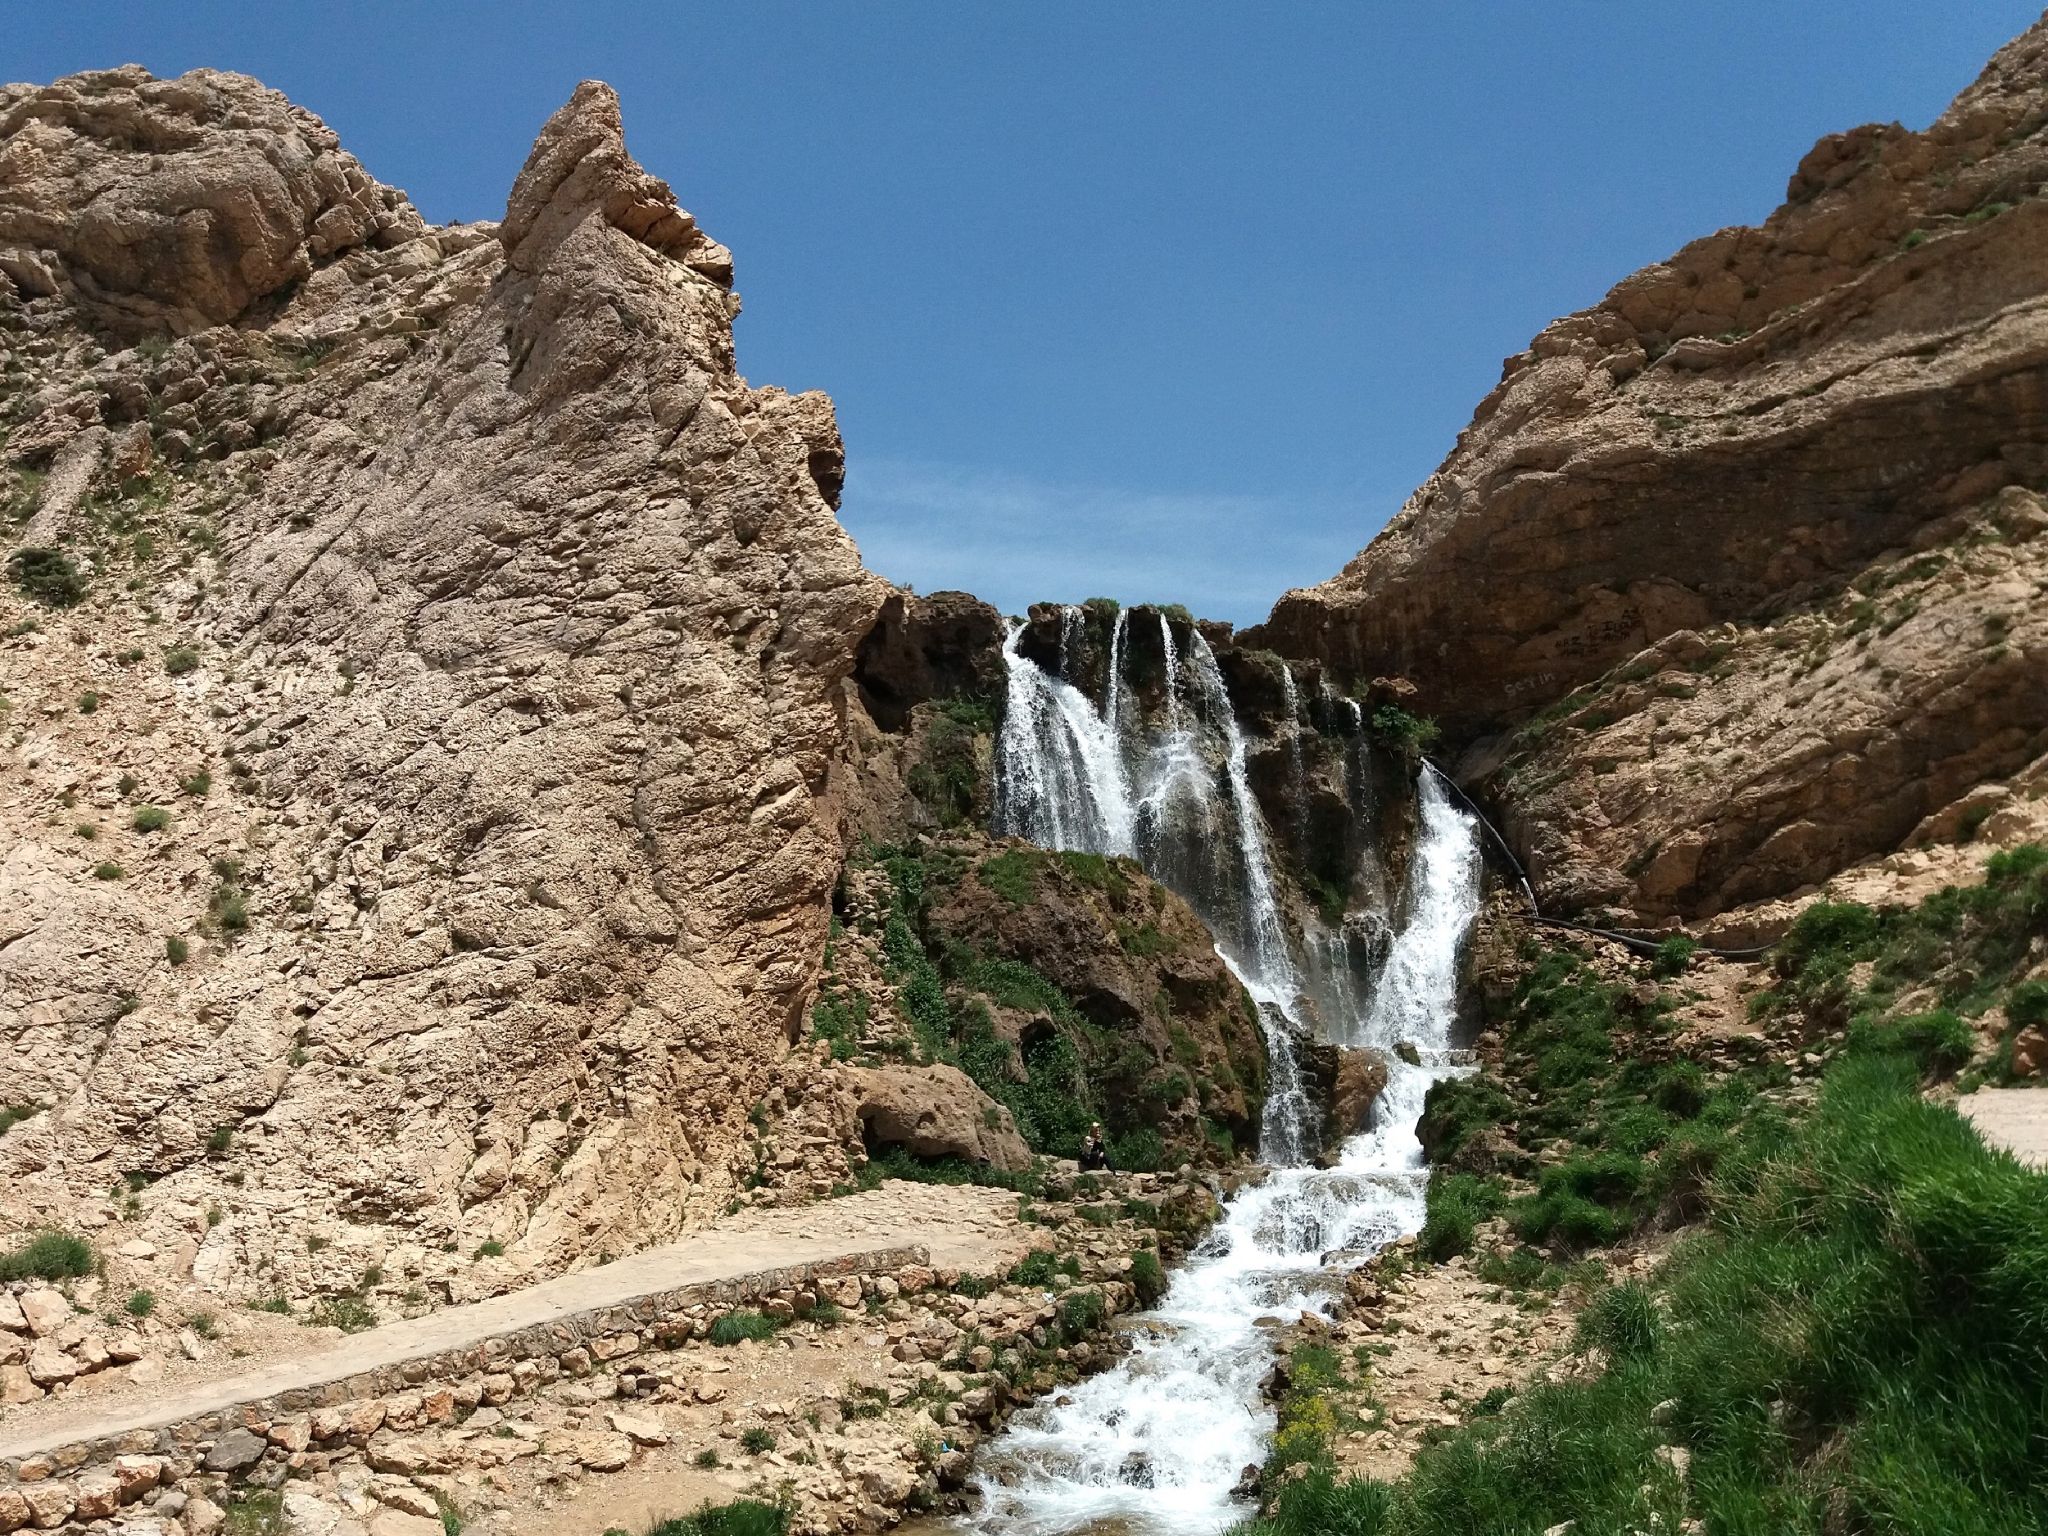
(579, 167)
(177, 204)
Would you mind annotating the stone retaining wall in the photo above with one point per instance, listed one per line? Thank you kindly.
(48, 1482)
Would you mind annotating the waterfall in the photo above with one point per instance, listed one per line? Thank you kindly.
(1112, 708)
(1296, 765)
(1060, 776)
(1155, 1445)
(1063, 781)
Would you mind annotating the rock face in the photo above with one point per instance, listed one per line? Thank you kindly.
(1726, 451)
(177, 204)
(496, 714)
(936, 1111)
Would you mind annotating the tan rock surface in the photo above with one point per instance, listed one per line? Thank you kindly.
(1725, 446)
(517, 624)
(937, 1111)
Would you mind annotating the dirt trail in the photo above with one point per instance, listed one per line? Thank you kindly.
(2013, 1118)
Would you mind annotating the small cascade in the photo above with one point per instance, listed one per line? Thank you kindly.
(1297, 765)
(1059, 767)
(1287, 1132)
(1112, 707)
(1071, 631)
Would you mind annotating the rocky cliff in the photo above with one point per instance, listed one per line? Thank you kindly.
(423, 679)
(1745, 550)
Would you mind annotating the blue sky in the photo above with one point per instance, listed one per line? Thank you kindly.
(1169, 301)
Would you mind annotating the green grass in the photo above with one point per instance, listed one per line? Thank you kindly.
(736, 1327)
(50, 1255)
(141, 1303)
(180, 659)
(1012, 875)
(1455, 1204)
(1856, 1340)
(260, 1513)
(757, 1441)
(151, 818)
(744, 1517)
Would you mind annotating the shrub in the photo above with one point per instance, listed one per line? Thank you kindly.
(736, 1326)
(351, 1314)
(107, 869)
(12, 1115)
(1140, 1151)
(1148, 1277)
(180, 659)
(88, 703)
(151, 818)
(1039, 1266)
(745, 1517)
(1622, 1319)
(1455, 1109)
(1454, 1205)
(141, 1303)
(489, 1248)
(1081, 1313)
(756, 1441)
(2027, 1005)
(50, 1255)
(1395, 728)
(1680, 1089)
(1673, 956)
(176, 950)
(197, 785)
(47, 575)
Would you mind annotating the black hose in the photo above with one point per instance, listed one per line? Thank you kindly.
(1637, 943)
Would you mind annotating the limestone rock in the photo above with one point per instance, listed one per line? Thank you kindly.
(235, 1451)
(1740, 435)
(45, 1311)
(937, 1111)
(542, 622)
(181, 202)
(1361, 1077)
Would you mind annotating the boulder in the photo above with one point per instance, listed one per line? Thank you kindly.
(937, 1111)
(1361, 1078)
(235, 1451)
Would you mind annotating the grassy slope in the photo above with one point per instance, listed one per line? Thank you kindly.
(1857, 1338)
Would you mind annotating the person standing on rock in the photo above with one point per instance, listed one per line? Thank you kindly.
(1094, 1155)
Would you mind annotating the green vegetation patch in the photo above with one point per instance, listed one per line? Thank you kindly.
(49, 1255)
(47, 576)
(1857, 1339)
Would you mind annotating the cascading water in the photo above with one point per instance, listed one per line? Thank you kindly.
(1155, 1446)
(1062, 783)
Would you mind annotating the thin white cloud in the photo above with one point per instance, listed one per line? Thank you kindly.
(1014, 541)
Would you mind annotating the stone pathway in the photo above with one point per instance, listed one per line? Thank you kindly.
(2013, 1118)
(948, 1226)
